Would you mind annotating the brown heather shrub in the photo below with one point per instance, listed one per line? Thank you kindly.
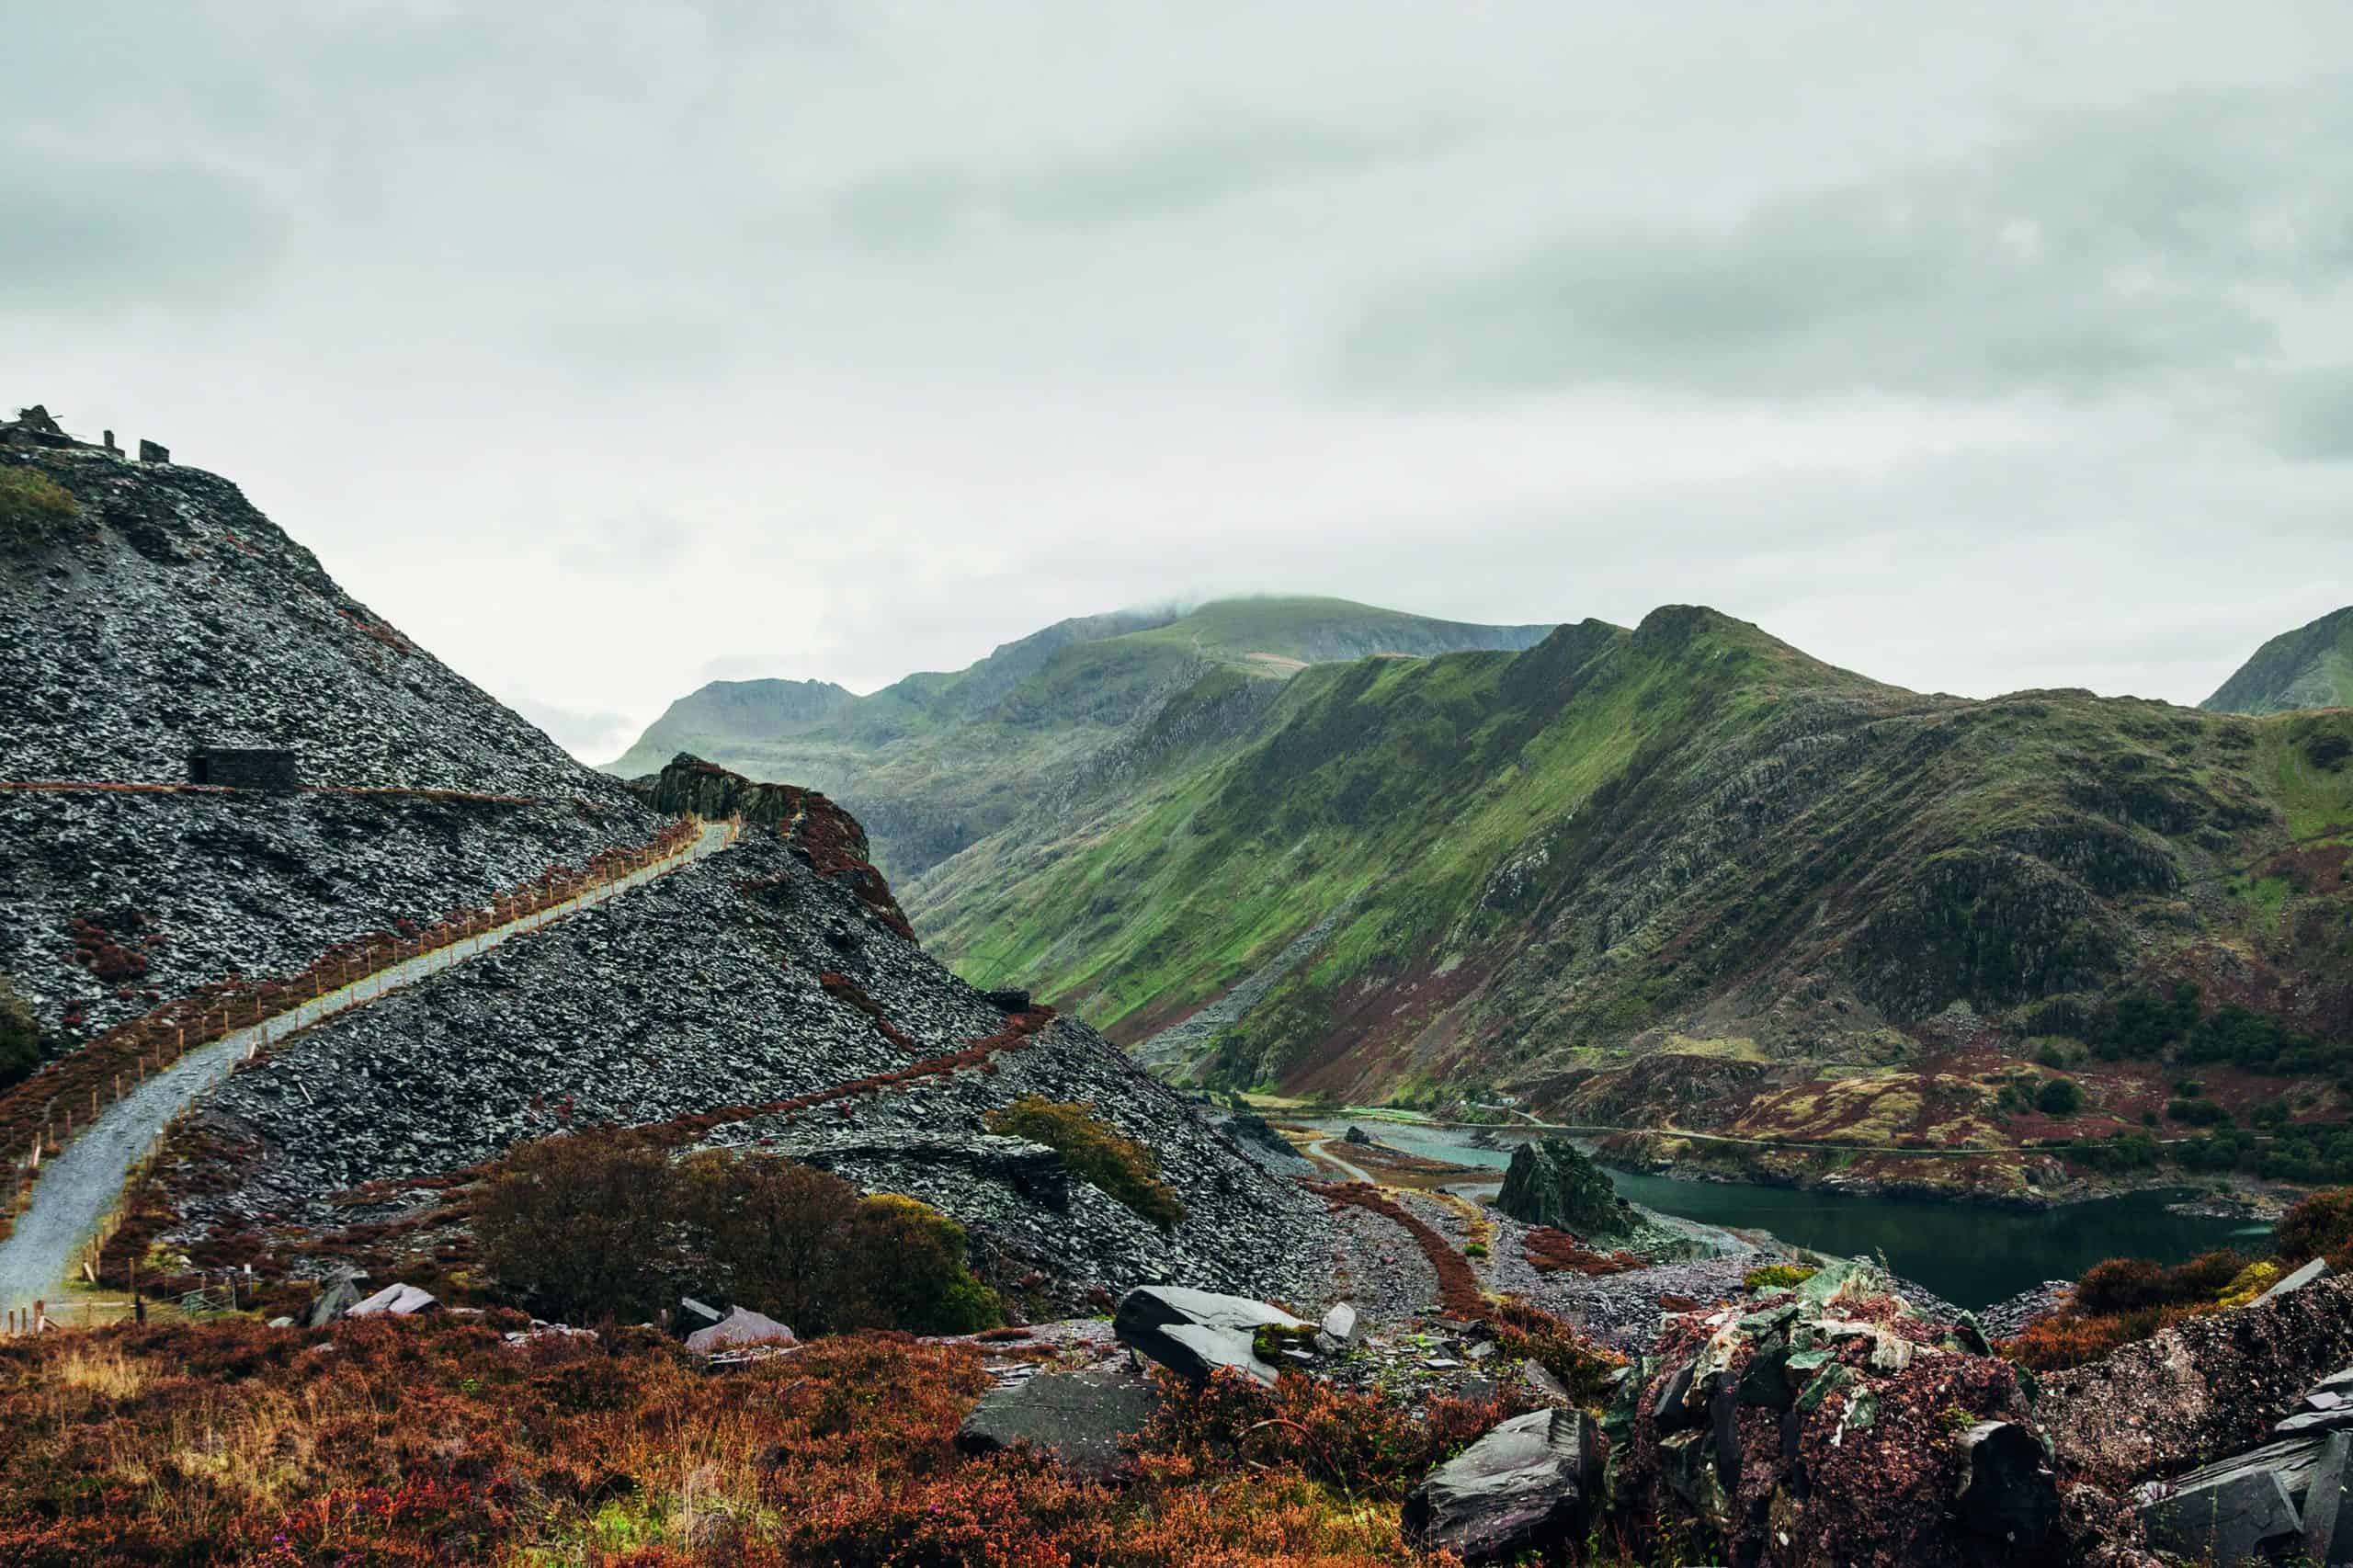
(1106, 1159)
(2319, 1226)
(578, 1227)
(19, 1036)
(600, 1226)
(432, 1441)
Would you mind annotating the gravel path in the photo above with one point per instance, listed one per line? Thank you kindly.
(1322, 1150)
(77, 1188)
(1378, 1269)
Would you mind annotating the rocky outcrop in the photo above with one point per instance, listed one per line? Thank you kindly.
(825, 837)
(1551, 1182)
(2205, 1386)
(1817, 1424)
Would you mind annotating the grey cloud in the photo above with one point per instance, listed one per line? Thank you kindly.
(590, 735)
(1180, 168)
(638, 541)
(2092, 252)
(82, 232)
(2311, 414)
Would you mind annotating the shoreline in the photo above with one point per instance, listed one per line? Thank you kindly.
(2231, 1195)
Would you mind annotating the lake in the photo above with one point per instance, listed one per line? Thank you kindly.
(1968, 1254)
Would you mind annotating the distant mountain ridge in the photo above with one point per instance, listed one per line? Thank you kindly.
(2309, 667)
(1671, 872)
(937, 760)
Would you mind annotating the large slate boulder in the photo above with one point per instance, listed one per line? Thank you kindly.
(1551, 1182)
(2224, 1518)
(2281, 1496)
(335, 1302)
(1529, 1483)
(1195, 1332)
(1079, 1417)
(2008, 1492)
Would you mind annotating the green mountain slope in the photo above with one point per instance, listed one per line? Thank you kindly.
(936, 761)
(2309, 667)
(1533, 872)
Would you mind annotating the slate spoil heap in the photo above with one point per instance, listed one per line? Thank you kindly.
(164, 614)
(150, 612)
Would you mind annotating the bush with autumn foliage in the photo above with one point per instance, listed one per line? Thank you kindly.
(601, 1226)
(433, 1441)
(2123, 1300)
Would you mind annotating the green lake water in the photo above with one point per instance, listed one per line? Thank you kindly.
(1968, 1254)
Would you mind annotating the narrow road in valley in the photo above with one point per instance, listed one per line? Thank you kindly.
(76, 1189)
(1321, 1152)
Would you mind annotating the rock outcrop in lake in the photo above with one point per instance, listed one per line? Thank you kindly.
(1551, 1182)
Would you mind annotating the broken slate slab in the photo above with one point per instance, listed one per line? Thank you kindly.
(394, 1301)
(1079, 1417)
(2226, 1513)
(1340, 1322)
(2316, 1269)
(337, 1300)
(742, 1326)
(1195, 1332)
(1528, 1484)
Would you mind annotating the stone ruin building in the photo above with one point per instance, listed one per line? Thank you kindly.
(245, 768)
(36, 427)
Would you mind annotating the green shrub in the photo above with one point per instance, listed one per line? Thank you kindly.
(32, 504)
(1113, 1164)
(1776, 1276)
(2059, 1096)
(599, 1225)
(2051, 1056)
(19, 1037)
(907, 1270)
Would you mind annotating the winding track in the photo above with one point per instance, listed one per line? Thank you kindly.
(77, 1188)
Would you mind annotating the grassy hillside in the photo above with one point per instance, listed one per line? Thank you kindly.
(2309, 667)
(1534, 872)
(936, 761)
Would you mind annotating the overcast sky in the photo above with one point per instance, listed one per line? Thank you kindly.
(610, 349)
